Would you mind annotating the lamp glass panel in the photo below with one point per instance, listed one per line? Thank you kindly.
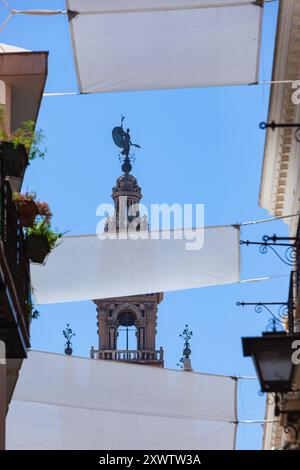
(274, 366)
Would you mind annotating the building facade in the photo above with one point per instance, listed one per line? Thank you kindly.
(22, 80)
(280, 191)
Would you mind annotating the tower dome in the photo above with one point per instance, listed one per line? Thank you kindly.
(127, 185)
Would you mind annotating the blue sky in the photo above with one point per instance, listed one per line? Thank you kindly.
(198, 146)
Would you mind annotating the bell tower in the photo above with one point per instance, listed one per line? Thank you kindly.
(127, 325)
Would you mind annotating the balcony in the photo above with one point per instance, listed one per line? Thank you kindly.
(132, 355)
(14, 279)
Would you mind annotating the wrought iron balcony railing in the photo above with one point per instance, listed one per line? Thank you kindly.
(15, 266)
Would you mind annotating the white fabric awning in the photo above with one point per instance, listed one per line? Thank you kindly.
(86, 267)
(122, 45)
(63, 402)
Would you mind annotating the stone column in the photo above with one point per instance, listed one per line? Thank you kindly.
(151, 328)
(141, 338)
(103, 330)
(112, 337)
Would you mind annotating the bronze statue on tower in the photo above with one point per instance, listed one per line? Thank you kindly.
(122, 140)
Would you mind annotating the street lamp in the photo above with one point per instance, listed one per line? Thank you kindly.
(272, 354)
(272, 357)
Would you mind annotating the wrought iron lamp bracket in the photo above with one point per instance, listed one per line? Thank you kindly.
(278, 319)
(275, 125)
(292, 245)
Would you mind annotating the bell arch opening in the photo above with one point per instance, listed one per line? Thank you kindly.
(126, 331)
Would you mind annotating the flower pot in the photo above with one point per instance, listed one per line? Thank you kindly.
(13, 159)
(27, 212)
(37, 248)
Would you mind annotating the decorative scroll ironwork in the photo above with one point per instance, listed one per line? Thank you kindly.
(292, 428)
(293, 423)
(292, 417)
(277, 320)
(292, 248)
(68, 334)
(186, 335)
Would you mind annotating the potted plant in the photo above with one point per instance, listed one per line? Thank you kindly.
(32, 312)
(44, 210)
(19, 146)
(27, 208)
(40, 240)
(14, 159)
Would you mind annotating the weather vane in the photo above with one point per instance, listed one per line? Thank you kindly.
(185, 362)
(122, 140)
(68, 334)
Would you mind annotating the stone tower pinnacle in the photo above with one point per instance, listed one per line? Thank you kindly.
(135, 314)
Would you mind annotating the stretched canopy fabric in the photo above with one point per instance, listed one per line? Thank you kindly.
(88, 267)
(65, 402)
(122, 45)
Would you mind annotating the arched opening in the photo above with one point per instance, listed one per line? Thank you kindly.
(126, 331)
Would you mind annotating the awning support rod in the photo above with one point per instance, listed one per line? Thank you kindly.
(12, 12)
(39, 12)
